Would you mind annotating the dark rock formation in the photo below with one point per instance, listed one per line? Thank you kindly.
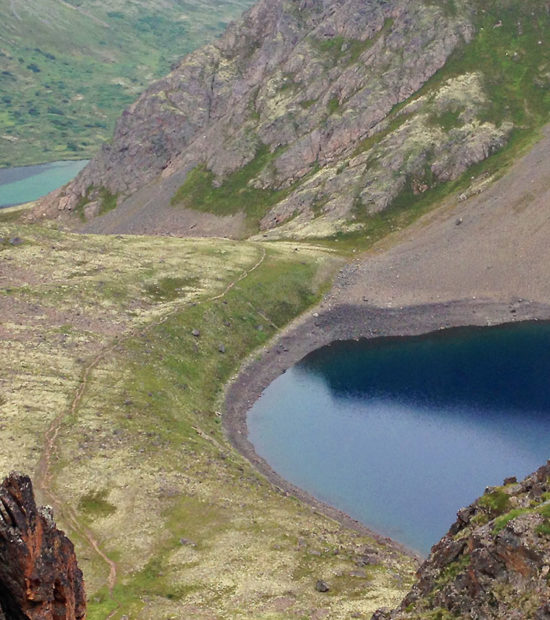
(317, 104)
(39, 576)
(493, 563)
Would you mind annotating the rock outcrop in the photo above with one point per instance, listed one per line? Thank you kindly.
(307, 116)
(39, 576)
(493, 563)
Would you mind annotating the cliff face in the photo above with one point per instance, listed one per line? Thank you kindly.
(493, 563)
(39, 576)
(314, 115)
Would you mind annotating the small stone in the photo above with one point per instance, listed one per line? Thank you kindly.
(187, 542)
(196, 333)
(221, 348)
(321, 586)
(16, 241)
(458, 221)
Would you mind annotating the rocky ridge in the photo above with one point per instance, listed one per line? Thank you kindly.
(307, 116)
(494, 561)
(39, 576)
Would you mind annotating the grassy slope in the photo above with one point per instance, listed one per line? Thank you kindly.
(68, 69)
(142, 464)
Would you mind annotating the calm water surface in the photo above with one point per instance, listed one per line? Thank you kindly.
(26, 183)
(402, 433)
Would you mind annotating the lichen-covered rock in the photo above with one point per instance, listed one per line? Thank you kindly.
(39, 575)
(309, 80)
(493, 563)
(329, 110)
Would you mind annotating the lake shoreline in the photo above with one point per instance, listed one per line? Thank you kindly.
(328, 323)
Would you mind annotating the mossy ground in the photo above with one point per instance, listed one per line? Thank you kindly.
(142, 462)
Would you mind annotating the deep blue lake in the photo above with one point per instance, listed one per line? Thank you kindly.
(401, 433)
(26, 183)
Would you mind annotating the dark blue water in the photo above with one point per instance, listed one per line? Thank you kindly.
(400, 434)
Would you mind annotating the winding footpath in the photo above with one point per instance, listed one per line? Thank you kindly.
(44, 476)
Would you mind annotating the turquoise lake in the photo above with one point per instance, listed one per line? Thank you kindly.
(401, 433)
(26, 183)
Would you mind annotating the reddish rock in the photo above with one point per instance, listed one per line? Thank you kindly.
(39, 576)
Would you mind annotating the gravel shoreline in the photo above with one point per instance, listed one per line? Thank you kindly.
(322, 326)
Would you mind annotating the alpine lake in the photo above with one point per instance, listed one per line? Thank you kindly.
(27, 183)
(401, 433)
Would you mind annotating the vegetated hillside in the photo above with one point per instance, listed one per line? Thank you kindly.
(494, 561)
(115, 351)
(68, 69)
(313, 118)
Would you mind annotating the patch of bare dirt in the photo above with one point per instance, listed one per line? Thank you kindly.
(148, 212)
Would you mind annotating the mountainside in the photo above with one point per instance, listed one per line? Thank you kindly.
(494, 561)
(314, 117)
(70, 68)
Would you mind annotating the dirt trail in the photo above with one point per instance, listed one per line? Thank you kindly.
(44, 475)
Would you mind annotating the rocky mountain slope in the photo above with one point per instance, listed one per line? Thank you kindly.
(39, 576)
(68, 69)
(494, 561)
(313, 117)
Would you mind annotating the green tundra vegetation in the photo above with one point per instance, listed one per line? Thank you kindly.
(68, 69)
(119, 347)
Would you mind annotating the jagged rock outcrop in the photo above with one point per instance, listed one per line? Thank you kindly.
(493, 563)
(308, 116)
(39, 576)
